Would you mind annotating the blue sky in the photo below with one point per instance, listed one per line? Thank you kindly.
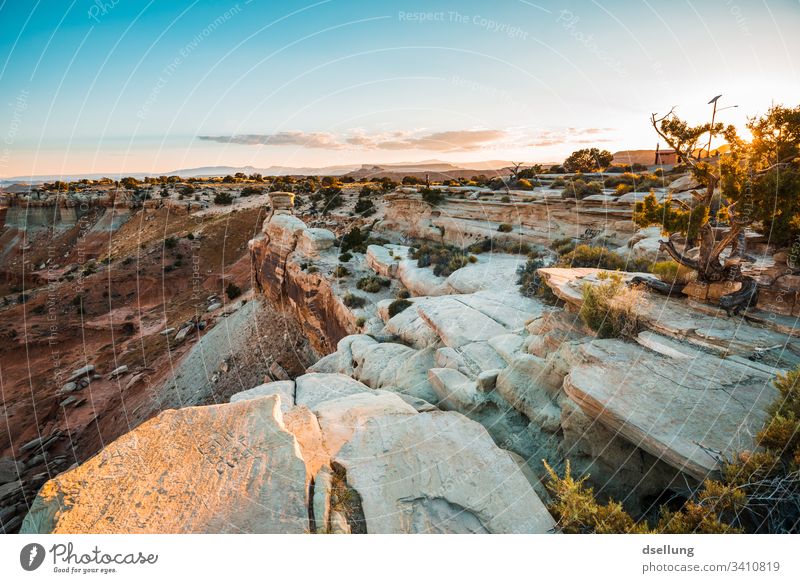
(131, 85)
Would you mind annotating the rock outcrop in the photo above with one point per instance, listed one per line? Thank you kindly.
(350, 459)
(216, 469)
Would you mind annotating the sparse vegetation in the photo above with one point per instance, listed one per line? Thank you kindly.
(505, 228)
(233, 291)
(609, 307)
(444, 259)
(601, 258)
(372, 283)
(398, 306)
(759, 491)
(432, 196)
(354, 301)
(579, 188)
(223, 197)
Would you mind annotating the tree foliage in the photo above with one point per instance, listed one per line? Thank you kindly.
(587, 160)
(751, 183)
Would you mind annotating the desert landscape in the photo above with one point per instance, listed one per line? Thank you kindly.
(353, 353)
(350, 268)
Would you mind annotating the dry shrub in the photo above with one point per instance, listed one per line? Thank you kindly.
(609, 307)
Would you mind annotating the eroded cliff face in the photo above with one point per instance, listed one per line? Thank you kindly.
(280, 258)
(543, 218)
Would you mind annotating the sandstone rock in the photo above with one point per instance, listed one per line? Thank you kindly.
(322, 500)
(326, 364)
(411, 328)
(458, 324)
(495, 271)
(214, 306)
(384, 260)
(687, 182)
(454, 390)
(222, 468)
(181, 335)
(339, 418)
(480, 356)
(84, 372)
(303, 424)
(527, 385)
(277, 372)
(415, 475)
(507, 346)
(487, 380)
(8, 470)
(314, 388)
(68, 388)
(421, 281)
(312, 242)
(119, 371)
(283, 388)
(688, 415)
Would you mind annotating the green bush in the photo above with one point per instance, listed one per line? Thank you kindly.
(505, 228)
(403, 294)
(579, 189)
(345, 257)
(444, 259)
(251, 191)
(398, 306)
(505, 199)
(354, 301)
(609, 307)
(666, 270)
(563, 245)
(233, 291)
(372, 283)
(364, 207)
(223, 197)
(432, 196)
(601, 258)
(341, 271)
(531, 285)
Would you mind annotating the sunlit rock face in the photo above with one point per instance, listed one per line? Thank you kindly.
(218, 469)
(354, 460)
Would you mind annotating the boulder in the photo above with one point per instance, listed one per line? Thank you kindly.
(283, 388)
(454, 390)
(457, 323)
(312, 242)
(339, 418)
(314, 388)
(8, 470)
(218, 469)
(415, 474)
(689, 413)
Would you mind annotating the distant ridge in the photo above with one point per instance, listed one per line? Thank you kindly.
(430, 166)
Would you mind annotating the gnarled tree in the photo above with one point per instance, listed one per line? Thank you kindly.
(751, 183)
(701, 219)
